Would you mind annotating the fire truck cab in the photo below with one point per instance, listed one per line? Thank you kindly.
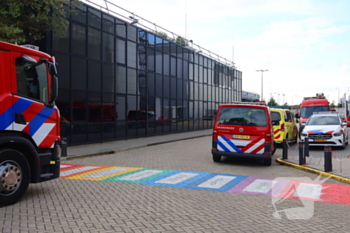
(29, 120)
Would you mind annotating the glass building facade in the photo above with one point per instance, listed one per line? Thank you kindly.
(119, 82)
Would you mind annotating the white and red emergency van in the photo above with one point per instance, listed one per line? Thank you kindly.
(243, 129)
(29, 120)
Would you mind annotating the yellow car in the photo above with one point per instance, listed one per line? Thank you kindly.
(284, 125)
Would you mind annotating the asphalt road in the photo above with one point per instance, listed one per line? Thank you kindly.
(82, 202)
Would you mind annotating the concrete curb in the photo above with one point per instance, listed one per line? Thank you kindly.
(313, 170)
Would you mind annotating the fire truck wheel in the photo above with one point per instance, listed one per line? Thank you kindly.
(14, 176)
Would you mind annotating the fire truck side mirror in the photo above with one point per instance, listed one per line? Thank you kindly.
(54, 89)
(54, 82)
(53, 68)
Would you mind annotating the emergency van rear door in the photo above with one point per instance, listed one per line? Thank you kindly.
(242, 129)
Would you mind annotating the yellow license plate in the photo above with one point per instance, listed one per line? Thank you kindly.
(320, 140)
(241, 136)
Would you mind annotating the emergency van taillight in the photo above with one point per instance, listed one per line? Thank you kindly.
(268, 138)
(282, 127)
(215, 135)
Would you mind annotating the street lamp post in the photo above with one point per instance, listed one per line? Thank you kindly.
(338, 95)
(262, 85)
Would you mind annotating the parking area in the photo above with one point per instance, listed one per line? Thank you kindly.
(72, 204)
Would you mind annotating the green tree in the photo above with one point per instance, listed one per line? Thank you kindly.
(332, 104)
(272, 102)
(27, 21)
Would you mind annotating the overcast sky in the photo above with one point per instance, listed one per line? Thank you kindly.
(305, 44)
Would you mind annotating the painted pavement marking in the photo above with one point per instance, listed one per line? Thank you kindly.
(308, 191)
(177, 178)
(105, 173)
(276, 188)
(139, 175)
(216, 182)
(76, 171)
(260, 186)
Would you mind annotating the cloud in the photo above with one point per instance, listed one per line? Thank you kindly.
(205, 9)
(307, 32)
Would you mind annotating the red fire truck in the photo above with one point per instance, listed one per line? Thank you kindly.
(309, 105)
(29, 120)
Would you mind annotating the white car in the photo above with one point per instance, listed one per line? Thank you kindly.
(326, 128)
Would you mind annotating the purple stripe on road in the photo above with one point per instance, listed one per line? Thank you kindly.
(260, 186)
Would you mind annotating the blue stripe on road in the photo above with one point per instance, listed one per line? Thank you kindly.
(176, 179)
(216, 182)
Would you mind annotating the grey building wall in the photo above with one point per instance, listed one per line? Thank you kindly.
(107, 69)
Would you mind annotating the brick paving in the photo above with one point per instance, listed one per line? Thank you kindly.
(71, 205)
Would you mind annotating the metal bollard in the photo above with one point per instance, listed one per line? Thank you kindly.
(306, 148)
(327, 159)
(285, 149)
(301, 153)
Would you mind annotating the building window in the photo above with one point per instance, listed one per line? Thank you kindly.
(120, 50)
(94, 43)
(79, 73)
(94, 18)
(132, 58)
(120, 80)
(94, 75)
(78, 39)
(132, 82)
(108, 48)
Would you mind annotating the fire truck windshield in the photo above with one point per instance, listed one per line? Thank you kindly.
(32, 80)
(308, 111)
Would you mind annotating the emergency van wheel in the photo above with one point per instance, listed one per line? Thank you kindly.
(267, 162)
(14, 176)
(216, 158)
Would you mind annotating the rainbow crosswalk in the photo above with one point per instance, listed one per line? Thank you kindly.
(277, 188)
